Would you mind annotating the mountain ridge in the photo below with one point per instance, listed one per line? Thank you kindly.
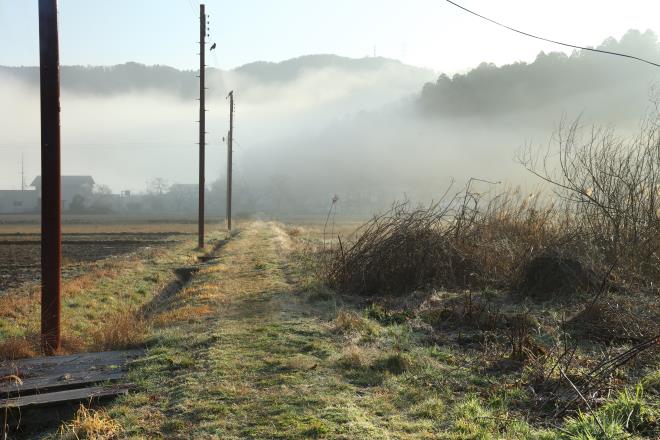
(132, 76)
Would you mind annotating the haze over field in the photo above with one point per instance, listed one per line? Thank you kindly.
(309, 127)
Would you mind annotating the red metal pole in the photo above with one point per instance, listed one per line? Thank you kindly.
(202, 125)
(51, 234)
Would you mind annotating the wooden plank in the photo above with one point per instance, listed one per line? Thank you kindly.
(56, 382)
(60, 397)
(57, 372)
(104, 357)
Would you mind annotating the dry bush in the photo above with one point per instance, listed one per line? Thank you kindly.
(617, 320)
(19, 347)
(121, 330)
(91, 424)
(72, 343)
(29, 345)
(557, 273)
(397, 252)
(294, 232)
(469, 240)
(605, 213)
(612, 188)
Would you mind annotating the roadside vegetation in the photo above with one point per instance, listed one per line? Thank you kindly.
(481, 316)
(102, 302)
(549, 304)
(255, 344)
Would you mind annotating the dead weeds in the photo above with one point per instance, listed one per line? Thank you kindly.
(93, 424)
(122, 330)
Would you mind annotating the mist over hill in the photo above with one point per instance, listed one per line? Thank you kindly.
(135, 77)
(468, 125)
(552, 78)
(369, 129)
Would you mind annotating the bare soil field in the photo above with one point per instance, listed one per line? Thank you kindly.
(263, 346)
(20, 254)
(85, 239)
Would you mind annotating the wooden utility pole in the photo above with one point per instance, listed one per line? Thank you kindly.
(230, 139)
(22, 172)
(202, 125)
(51, 234)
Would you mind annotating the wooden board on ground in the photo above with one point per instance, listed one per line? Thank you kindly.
(39, 375)
(66, 396)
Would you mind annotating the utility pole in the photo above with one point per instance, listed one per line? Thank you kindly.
(202, 124)
(230, 139)
(51, 234)
(22, 172)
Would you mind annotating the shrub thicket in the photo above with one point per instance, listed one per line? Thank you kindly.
(602, 223)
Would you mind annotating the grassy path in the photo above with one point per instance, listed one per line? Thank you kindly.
(238, 354)
(241, 354)
(244, 352)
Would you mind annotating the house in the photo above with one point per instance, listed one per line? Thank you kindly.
(18, 201)
(76, 190)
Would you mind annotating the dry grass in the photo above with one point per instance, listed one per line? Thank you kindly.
(102, 292)
(17, 305)
(604, 213)
(19, 347)
(87, 281)
(31, 225)
(349, 322)
(355, 357)
(467, 240)
(29, 345)
(183, 314)
(479, 240)
(295, 231)
(123, 330)
(91, 424)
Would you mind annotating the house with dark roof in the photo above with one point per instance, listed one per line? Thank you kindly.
(76, 190)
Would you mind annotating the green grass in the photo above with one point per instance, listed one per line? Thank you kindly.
(278, 356)
(105, 288)
(271, 363)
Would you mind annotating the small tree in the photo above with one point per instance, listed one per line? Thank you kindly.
(157, 186)
(77, 205)
(612, 186)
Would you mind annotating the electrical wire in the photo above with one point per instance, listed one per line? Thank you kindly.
(590, 49)
(109, 146)
(191, 7)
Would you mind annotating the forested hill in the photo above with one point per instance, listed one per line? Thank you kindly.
(121, 78)
(130, 77)
(551, 78)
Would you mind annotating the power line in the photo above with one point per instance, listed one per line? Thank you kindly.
(192, 8)
(607, 52)
(111, 146)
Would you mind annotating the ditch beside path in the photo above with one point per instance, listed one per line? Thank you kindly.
(241, 353)
(253, 347)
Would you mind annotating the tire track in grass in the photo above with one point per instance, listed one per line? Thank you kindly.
(258, 365)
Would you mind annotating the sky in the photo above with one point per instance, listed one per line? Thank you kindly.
(427, 33)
